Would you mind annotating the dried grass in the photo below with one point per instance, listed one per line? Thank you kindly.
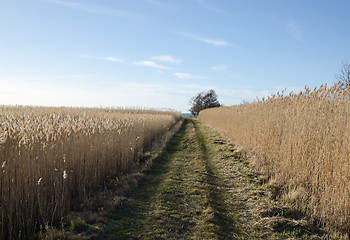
(50, 156)
(303, 142)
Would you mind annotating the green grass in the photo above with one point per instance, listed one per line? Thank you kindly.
(199, 187)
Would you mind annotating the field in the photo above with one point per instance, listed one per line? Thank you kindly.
(199, 187)
(289, 178)
(302, 143)
(50, 157)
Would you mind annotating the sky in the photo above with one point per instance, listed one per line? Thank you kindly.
(161, 53)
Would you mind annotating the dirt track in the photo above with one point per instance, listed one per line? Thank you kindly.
(200, 188)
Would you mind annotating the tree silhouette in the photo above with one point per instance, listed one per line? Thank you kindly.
(344, 74)
(204, 100)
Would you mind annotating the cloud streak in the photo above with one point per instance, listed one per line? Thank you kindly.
(110, 59)
(95, 9)
(41, 77)
(151, 64)
(204, 4)
(166, 58)
(187, 76)
(215, 42)
(219, 67)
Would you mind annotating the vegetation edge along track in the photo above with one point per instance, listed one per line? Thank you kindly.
(199, 187)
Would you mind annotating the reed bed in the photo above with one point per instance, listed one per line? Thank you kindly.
(50, 156)
(302, 143)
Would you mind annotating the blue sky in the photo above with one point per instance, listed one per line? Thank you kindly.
(160, 53)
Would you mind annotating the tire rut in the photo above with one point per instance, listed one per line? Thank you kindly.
(201, 188)
(181, 196)
(217, 194)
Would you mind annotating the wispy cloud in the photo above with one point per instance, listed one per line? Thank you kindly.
(294, 29)
(188, 76)
(219, 67)
(111, 59)
(24, 90)
(215, 42)
(166, 58)
(151, 64)
(210, 6)
(43, 77)
(95, 9)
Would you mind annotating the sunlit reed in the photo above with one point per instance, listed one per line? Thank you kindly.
(302, 141)
(49, 156)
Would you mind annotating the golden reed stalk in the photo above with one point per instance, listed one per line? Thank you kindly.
(48, 156)
(302, 142)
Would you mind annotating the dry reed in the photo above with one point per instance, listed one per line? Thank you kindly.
(302, 142)
(50, 156)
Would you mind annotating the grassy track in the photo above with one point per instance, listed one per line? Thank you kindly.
(180, 197)
(200, 188)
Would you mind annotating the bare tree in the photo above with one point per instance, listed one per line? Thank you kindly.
(204, 100)
(344, 74)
